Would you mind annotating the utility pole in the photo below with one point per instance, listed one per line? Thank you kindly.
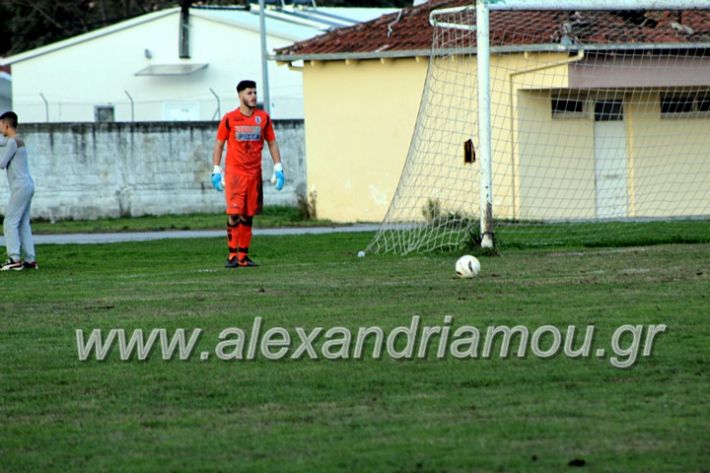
(264, 57)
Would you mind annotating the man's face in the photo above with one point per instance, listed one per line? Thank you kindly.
(248, 97)
(3, 127)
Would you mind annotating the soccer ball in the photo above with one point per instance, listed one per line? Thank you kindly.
(467, 266)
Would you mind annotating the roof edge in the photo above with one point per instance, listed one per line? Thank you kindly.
(548, 47)
(246, 26)
(350, 56)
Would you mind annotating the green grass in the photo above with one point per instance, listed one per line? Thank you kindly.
(272, 217)
(515, 414)
(603, 234)
(464, 235)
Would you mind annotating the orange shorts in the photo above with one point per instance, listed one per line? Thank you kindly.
(244, 194)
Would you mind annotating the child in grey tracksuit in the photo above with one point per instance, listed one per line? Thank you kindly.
(16, 226)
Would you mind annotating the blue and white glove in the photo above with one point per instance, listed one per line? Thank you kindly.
(217, 178)
(278, 178)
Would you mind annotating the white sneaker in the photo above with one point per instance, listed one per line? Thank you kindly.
(11, 265)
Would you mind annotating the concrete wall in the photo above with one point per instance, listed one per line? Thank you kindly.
(91, 170)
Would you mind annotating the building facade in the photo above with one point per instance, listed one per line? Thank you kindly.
(595, 115)
(167, 65)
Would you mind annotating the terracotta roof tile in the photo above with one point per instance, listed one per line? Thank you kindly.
(409, 30)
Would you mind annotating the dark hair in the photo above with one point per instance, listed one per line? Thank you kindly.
(10, 118)
(246, 84)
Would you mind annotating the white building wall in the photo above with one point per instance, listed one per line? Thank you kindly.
(75, 79)
(98, 71)
(234, 55)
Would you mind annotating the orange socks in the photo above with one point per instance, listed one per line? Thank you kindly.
(239, 238)
(244, 237)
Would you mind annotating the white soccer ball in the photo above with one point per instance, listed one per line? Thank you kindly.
(361, 254)
(467, 266)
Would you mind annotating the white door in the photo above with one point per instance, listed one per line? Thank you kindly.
(611, 159)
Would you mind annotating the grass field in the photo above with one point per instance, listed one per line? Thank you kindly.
(425, 415)
(272, 217)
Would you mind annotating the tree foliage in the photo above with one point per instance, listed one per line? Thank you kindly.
(28, 24)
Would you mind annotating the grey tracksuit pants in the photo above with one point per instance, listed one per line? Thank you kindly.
(18, 234)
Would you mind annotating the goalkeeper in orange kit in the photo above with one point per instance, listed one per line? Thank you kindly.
(244, 130)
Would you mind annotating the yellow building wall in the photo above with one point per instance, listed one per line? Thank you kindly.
(439, 182)
(669, 159)
(521, 123)
(360, 117)
(455, 186)
(557, 167)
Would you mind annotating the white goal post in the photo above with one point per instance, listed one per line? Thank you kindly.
(483, 63)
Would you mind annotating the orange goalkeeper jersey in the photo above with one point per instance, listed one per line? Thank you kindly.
(245, 140)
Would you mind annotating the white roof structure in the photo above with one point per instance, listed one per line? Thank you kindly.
(135, 70)
(75, 40)
(290, 23)
(293, 23)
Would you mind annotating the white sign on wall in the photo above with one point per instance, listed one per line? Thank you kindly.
(181, 111)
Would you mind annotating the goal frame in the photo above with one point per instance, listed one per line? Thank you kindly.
(483, 52)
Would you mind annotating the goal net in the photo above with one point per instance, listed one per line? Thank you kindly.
(599, 131)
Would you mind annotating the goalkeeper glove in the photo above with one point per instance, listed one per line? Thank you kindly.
(217, 178)
(278, 177)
